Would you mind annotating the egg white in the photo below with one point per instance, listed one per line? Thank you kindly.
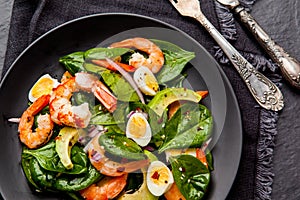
(139, 77)
(143, 140)
(155, 189)
(45, 76)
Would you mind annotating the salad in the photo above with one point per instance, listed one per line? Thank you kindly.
(118, 125)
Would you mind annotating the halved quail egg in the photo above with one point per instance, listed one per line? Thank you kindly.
(138, 129)
(146, 81)
(42, 86)
(159, 178)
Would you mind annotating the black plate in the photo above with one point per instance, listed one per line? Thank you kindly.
(42, 57)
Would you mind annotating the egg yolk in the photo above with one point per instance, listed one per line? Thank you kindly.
(43, 86)
(159, 175)
(137, 127)
(151, 82)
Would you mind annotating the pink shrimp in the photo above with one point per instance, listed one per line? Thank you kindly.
(107, 188)
(61, 110)
(90, 83)
(44, 130)
(108, 167)
(156, 57)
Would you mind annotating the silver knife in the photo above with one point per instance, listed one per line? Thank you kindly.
(289, 66)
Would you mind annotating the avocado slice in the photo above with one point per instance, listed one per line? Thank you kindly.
(165, 97)
(65, 140)
(141, 193)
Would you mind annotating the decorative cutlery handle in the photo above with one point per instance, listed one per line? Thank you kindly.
(264, 91)
(289, 66)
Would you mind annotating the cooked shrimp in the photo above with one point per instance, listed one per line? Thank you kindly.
(90, 83)
(200, 154)
(61, 109)
(43, 132)
(156, 57)
(174, 193)
(108, 167)
(66, 76)
(107, 188)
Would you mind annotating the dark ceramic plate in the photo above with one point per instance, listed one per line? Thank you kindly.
(42, 57)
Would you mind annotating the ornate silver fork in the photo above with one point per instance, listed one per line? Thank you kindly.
(290, 67)
(264, 91)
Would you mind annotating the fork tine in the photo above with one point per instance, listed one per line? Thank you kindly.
(174, 3)
(178, 6)
(188, 8)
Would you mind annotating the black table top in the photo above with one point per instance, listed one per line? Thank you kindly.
(281, 20)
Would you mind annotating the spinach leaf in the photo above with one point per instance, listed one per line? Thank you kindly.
(73, 62)
(175, 60)
(49, 159)
(44, 179)
(191, 176)
(121, 146)
(55, 181)
(90, 67)
(77, 182)
(116, 129)
(83, 97)
(102, 53)
(103, 117)
(210, 160)
(116, 82)
(189, 127)
(25, 162)
(134, 182)
(120, 87)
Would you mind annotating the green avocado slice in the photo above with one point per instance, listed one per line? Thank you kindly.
(165, 97)
(65, 140)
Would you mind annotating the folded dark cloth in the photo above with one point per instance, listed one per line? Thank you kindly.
(32, 18)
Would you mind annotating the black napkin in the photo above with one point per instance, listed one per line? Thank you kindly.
(32, 18)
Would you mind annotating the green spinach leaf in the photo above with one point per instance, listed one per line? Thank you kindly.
(44, 179)
(189, 127)
(73, 62)
(90, 67)
(77, 182)
(175, 60)
(25, 162)
(210, 160)
(191, 176)
(102, 53)
(49, 159)
(55, 181)
(116, 82)
(121, 146)
(120, 87)
(103, 117)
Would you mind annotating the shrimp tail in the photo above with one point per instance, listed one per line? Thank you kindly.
(105, 96)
